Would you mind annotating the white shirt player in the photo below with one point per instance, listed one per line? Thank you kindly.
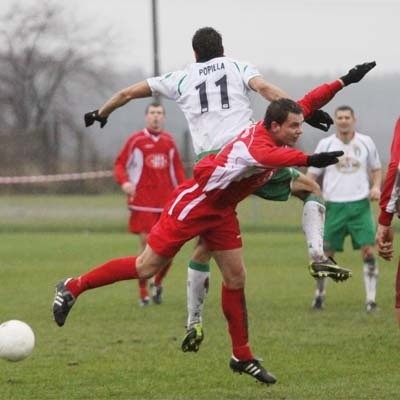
(213, 96)
(348, 179)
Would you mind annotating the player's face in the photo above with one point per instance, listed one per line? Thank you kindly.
(155, 118)
(344, 121)
(289, 131)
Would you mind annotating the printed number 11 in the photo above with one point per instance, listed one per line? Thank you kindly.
(222, 83)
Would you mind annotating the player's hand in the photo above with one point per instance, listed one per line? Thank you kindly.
(92, 116)
(384, 241)
(321, 160)
(357, 73)
(129, 188)
(374, 193)
(320, 120)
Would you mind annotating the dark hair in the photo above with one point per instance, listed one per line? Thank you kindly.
(154, 104)
(207, 43)
(279, 110)
(345, 108)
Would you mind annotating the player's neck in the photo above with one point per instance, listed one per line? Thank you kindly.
(153, 132)
(345, 137)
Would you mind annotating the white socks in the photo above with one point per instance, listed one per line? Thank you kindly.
(313, 222)
(371, 272)
(197, 289)
(321, 287)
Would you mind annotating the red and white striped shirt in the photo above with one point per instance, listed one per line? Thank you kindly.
(152, 163)
(222, 180)
(391, 186)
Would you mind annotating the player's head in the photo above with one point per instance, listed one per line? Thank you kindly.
(283, 119)
(345, 119)
(155, 116)
(207, 44)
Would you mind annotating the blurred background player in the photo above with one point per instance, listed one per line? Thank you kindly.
(347, 191)
(148, 168)
(390, 205)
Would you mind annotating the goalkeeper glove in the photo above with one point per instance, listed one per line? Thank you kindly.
(92, 116)
(320, 120)
(321, 160)
(357, 73)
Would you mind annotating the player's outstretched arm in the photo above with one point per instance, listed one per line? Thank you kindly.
(321, 95)
(357, 73)
(267, 90)
(324, 159)
(136, 91)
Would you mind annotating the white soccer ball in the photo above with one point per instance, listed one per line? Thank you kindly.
(17, 340)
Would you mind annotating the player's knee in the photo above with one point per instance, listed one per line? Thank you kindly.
(314, 188)
(367, 253)
(148, 265)
(201, 255)
(304, 186)
(236, 280)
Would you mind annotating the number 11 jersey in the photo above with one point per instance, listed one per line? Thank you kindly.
(214, 97)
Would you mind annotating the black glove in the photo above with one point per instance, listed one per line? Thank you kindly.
(357, 73)
(321, 160)
(320, 120)
(92, 116)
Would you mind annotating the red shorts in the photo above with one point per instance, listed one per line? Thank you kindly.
(142, 221)
(190, 214)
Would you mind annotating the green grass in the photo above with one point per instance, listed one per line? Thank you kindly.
(110, 348)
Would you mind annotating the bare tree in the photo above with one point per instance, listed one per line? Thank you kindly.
(48, 63)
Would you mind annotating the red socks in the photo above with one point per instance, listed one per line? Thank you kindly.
(143, 288)
(115, 270)
(234, 308)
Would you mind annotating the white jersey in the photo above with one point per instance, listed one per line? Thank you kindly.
(213, 96)
(348, 179)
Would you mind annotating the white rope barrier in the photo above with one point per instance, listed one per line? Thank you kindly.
(11, 180)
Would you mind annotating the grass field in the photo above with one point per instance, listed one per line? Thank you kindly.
(110, 348)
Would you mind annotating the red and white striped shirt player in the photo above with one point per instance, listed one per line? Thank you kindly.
(390, 205)
(149, 168)
(152, 163)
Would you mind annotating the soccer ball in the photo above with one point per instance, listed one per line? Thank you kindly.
(17, 340)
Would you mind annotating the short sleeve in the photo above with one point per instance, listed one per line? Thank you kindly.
(247, 71)
(374, 161)
(167, 85)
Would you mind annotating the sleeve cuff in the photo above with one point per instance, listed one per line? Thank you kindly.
(336, 85)
(385, 218)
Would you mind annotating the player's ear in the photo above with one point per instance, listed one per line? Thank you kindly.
(275, 127)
